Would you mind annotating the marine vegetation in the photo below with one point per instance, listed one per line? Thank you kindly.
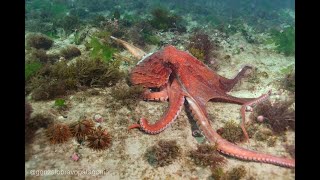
(31, 68)
(207, 155)
(163, 153)
(291, 150)
(79, 36)
(39, 121)
(127, 95)
(98, 20)
(142, 33)
(201, 46)
(99, 50)
(162, 19)
(70, 52)
(60, 78)
(100, 139)
(231, 131)
(38, 41)
(60, 104)
(278, 115)
(40, 54)
(68, 23)
(27, 111)
(29, 132)
(54, 10)
(82, 13)
(95, 73)
(235, 173)
(58, 133)
(256, 75)
(129, 20)
(47, 89)
(284, 40)
(288, 82)
(82, 128)
(265, 134)
(31, 126)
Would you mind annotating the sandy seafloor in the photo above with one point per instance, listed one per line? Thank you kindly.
(125, 158)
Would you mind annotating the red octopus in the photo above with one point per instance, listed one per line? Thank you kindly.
(181, 77)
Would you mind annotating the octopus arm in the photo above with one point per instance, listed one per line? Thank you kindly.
(231, 149)
(176, 101)
(156, 96)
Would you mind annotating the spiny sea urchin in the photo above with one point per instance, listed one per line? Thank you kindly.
(58, 133)
(100, 139)
(82, 128)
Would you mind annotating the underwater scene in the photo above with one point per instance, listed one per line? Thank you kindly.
(160, 89)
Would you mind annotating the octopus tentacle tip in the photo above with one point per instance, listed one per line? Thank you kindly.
(136, 52)
(134, 126)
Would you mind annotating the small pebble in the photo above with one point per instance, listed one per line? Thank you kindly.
(75, 157)
(249, 109)
(98, 118)
(260, 118)
(196, 133)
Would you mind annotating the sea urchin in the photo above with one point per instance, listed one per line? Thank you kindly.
(100, 139)
(82, 128)
(58, 133)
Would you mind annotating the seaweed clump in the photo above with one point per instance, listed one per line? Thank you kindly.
(200, 45)
(100, 139)
(40, 121)
(58, 133)
(162, 19)
(34, 123)
(27, 111)
(279, 116)
(232, 132)
(288, 82)
(266, 134)
(163, 153)
(61, 78)
(47, 89)
(39, 41)
(97, 73)
(284, 40)
(60, 104)
(82, 128)
(127, 96)
(99, 50)
(29, 132)
(69, 23)
(40, 54)
(141, 33)
(31, 68)
(291, 150)
(70, 52)
(207, 155)
(234, 174)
